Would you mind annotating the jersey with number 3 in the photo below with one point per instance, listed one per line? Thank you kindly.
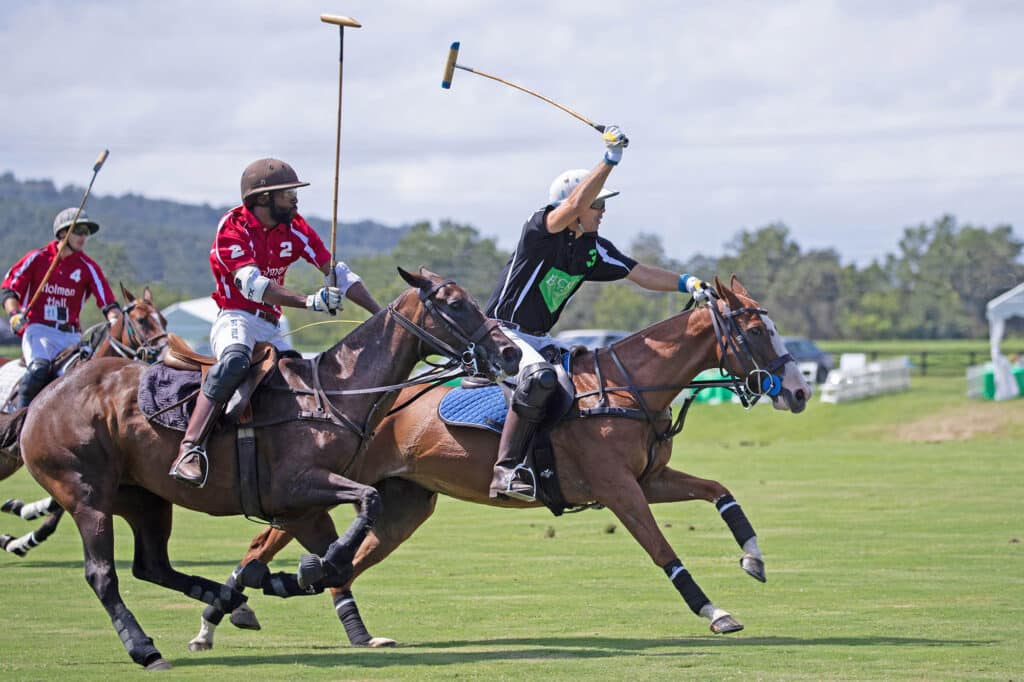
(74, 278)
(241, 240)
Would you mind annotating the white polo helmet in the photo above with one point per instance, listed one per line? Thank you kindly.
(564, 184)
(67, 216)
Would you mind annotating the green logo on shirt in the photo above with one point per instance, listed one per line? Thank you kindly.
(593, 258)
(558, 286)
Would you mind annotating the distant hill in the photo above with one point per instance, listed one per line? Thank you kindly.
(144, 240)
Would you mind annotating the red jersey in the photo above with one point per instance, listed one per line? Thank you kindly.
(74, 279)
(241, 240)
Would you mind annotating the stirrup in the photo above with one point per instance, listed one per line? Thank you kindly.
(204, 467)
(517, 495)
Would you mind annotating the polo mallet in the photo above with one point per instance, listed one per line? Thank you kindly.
(63, 242)
(449, 73)
(341, 22)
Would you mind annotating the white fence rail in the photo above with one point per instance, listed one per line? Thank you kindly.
(856, 379)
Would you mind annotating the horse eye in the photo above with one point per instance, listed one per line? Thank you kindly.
(455, 304)
(756, 331)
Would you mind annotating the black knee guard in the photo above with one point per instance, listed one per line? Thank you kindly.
(38, 374)
(536, 384)
(224, 377)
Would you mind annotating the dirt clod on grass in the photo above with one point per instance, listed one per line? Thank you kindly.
(993, 420)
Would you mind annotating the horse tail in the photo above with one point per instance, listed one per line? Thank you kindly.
(10, 431)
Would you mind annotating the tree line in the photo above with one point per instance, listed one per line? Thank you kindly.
(935, 286)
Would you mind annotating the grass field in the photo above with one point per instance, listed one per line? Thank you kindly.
(892, 531)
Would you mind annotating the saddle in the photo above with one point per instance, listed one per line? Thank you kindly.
(181, 356)
(485, 406)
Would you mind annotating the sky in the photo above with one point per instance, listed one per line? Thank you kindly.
(846, 121)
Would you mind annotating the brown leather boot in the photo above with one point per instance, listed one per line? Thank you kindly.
(511, 477)
(192, 466)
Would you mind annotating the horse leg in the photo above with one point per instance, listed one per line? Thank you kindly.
(669, 485)
(150, 519)
(624, 496)
(97, 530)
(21, 546)
(263, 548)
(32, 510)
(407, 506)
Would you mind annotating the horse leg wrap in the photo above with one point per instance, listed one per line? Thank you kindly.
(681, 578)
(20, 546)
(215, 594)
(338, 559)
(139, 646)
(213, 613)
(348, 613)
(12, 507)
(33, 510)
(287, 585)
(734, 517)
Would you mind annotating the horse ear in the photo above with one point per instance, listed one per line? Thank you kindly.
(147, 295)
(128, 298)
(719, 287)
(413, 280)
(428, 274)
(736, 285)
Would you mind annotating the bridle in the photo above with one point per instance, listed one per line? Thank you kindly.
(467, 356)
(757, 381)
(136, 346)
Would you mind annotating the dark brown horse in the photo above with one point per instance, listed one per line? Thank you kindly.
(141, 334)
(104, 457)
(616, 457)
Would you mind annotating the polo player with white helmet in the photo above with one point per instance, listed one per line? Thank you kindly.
(559, 249)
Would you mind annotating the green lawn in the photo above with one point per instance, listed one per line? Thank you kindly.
(892, 531)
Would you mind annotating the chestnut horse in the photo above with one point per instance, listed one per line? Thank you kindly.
(140, 333)
(616, 457)
(104, 457)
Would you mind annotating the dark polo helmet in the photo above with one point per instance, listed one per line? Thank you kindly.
(266, 175)
(67, 216)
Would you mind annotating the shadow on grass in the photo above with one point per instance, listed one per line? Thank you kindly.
(121, 566)
(424, 653)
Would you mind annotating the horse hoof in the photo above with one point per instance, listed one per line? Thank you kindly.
(311, 571)
(245, 618)
(199, 645)
(754, 567)
(159, 664)
(379, 642)
(723, 625)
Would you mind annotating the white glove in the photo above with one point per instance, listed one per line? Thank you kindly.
(615, 140)
(327, 300)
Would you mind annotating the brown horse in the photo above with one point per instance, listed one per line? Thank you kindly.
(104, 457)
(616, 457)
(140, 333)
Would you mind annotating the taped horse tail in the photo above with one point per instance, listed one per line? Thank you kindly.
(10, 428)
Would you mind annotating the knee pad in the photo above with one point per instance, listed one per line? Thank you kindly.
(37, 375)
(536, 383)
(224, 377)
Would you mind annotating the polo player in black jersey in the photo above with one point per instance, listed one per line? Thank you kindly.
(558, 250)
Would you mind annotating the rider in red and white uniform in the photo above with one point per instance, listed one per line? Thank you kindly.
(51, 324)
(251, 252)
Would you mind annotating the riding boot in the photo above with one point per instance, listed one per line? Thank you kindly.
(511, 477)
(191, 466)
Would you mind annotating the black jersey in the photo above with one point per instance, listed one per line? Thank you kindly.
(547, 269)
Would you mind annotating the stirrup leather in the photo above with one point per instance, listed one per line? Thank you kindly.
(204, 466)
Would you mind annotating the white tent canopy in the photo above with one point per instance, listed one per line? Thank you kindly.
(192, 319)
(998, 310)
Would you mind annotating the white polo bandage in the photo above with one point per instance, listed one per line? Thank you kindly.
(251, 283)
(345, 276)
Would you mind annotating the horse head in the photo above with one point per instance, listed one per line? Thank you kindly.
(446, 312)
(142, 329)
(750, 348)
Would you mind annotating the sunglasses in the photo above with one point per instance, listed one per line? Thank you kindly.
(598, 205)
(81, 230)
(286, 193)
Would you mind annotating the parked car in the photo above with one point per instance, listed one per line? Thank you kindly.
(804, 350)
(591, 338)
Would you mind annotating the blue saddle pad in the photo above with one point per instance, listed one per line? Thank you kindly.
(481, 408)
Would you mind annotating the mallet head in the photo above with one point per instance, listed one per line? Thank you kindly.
(449, 67)
(339, 20)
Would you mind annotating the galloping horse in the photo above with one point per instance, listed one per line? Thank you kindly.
(104, 457)
(141, 334)
(617, 456)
